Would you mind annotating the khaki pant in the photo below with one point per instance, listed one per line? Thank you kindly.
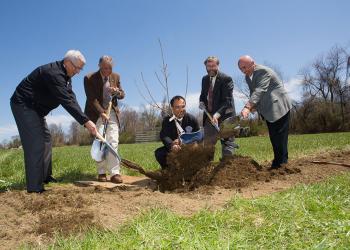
(110, 163)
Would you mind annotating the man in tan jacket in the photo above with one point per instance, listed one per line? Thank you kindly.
(99, 88)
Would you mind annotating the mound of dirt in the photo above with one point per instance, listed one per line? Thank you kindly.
(64, 211)
(191, 168)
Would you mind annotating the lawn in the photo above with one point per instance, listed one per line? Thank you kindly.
(74, 163)
(305, 217)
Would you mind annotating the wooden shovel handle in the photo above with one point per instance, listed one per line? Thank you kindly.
(100, 137)
(108, 111)
(332, 163)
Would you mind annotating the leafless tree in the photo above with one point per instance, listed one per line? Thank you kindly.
(149, 117)
(128, 120)
(57, 135)
(325, 78)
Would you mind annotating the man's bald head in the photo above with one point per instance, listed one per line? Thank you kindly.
(246, 65)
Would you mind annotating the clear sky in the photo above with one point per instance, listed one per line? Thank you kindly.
(289, 34)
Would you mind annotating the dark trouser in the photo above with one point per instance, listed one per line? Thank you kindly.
(278, 132)
(36, 143)
(161, 155)
(211, 137)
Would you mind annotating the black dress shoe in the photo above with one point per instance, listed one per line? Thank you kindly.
(50, 179)
(38, 192)
(274, 167)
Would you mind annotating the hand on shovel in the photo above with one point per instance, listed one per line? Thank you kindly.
(91, 127)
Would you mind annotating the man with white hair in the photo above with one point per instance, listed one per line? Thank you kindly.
(43, 90)
(101, 87)
(269, 97)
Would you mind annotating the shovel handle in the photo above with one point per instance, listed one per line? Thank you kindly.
(108, 112)
(211, 120)
(100, 137)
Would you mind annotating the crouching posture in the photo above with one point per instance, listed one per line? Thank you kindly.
(101, 88)
(173, 127)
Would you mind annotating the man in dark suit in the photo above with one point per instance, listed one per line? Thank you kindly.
(269, 97)
(43, 90)
(216, 97)
(172, 127)
(99, 88)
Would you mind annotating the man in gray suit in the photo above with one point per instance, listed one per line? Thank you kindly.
(269, 97)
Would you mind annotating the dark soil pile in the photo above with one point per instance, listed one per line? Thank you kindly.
(237, 172)
(191, 168)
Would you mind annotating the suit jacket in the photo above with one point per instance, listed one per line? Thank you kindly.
(268, 94)
(46, 88)
(93, 84)
(169, 132)
(223, 102)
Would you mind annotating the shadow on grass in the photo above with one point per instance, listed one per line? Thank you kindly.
(67, 177)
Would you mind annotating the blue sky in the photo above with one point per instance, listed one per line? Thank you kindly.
(289, 34)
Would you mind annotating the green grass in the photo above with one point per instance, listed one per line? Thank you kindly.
(74, 163)
(305, 217)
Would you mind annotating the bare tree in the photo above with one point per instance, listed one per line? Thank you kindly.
(57, 135)
(128, 120)
(149, 117)
(325, 79)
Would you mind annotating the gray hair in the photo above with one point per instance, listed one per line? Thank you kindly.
(212, 59)
(74, 56)
(106, 59)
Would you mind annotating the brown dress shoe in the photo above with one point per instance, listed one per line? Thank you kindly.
(102, 178)
(116, 179)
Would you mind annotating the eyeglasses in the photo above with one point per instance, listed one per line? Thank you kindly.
(77, 68)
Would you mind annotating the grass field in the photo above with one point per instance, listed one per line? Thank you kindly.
(74, 163)
(305, 217)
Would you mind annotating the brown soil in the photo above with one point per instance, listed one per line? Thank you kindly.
(34, 219)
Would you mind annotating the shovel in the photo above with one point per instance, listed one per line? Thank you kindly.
(100, 146)
(106, 146)
(202, 107)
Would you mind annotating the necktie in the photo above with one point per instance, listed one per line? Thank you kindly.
(210, 95)
(106, 94)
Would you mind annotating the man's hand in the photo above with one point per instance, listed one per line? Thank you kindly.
(245, 113)
(215, 120)
(104, 117)
(91, 127)
(113, 90)
(175, 146)
(216, 117)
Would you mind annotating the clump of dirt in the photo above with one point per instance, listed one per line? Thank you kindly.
(65, 212)
(191, 168)
(183, 165)
(238, 172)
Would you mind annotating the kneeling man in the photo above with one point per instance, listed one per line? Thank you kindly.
(173, 127)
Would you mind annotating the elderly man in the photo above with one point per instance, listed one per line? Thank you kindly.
(216, 97)
(270, 99)
(173, 127)
(99, 88)
(41, 91)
